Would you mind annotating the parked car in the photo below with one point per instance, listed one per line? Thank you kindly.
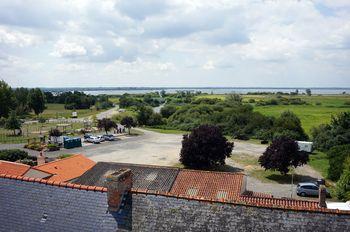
(93, 139)
(109, 137)
(102, 139)
(309, 189)
(86, 136)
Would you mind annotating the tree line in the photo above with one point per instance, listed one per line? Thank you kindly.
(20, 100)
(78, 100)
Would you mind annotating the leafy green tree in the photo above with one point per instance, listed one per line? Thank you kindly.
(37, 100)
(337, 132)
(106, 124)
(144, 114)
(13, 155)
(6, 99)
(21, 98)
(128, 122)
(308, 92)
(155, 119)
(288, 124)
(205, 147)
(13, 123)
(337, 155)
(342, 189)
(282, 154)
(168, 110)
(234, 98)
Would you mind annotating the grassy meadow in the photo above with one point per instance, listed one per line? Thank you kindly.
(58, 111)
(318, 110)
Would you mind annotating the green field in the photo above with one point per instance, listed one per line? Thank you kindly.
(34, 130)
(318, 110)
(58, 111)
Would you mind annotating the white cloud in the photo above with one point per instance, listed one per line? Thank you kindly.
(17, 38)
(76, 47)
(241, 42)
(209, 65)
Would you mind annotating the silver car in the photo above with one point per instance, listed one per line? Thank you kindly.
(309, 189)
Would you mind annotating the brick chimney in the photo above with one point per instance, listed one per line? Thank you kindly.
(119, 184)
(322, 197)
(40, 159)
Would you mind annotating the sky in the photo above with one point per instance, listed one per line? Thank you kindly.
(178, 43)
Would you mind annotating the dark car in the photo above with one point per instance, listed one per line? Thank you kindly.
(109, 137)
(309, 189)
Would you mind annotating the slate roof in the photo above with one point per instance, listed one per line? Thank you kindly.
(33, 205)
(66, 169)
(208, 185)
(12, 168)
(144, 176)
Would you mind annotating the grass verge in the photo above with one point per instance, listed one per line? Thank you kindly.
(166, 131)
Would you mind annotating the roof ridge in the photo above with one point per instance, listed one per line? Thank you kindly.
(55, 183)
(10, 162)
(240, 201)
(59, 160)
(206, 171)
(140, 165)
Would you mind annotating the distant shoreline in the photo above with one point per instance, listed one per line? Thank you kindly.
(209, 90)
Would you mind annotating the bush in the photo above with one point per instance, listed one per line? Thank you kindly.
(205, 147)
(168, 110)
(36, 146)
(342, 189)
(282, 154)
(337, 156)
(13, 155)
(29, 162)
(53, 147)
(251, 100)
(333, 134)
(289, 125)
(55, 132)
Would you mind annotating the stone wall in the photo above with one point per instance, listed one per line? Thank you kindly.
(160, 213)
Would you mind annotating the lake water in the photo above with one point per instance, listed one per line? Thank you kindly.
(119, 91)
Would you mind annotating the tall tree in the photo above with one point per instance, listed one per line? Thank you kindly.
(205, 147)
(36, 100)
(308, 92)
(6, 99)
(289, 125)
(106, 124)
(21, 98)
(342, 189)
(13, 123)
(128, 122)
(282, 154)
(144, 114)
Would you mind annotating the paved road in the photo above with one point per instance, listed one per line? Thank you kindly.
(108, 113)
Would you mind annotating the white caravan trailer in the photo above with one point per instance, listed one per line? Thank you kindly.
(305, 146)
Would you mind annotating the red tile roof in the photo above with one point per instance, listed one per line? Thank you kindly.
(66, 169)
(209, 185)
(13, 168)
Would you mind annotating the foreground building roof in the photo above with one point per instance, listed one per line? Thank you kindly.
(12, 168)
(66, 169)
(209, 185)
(58, 206)
(145, 176)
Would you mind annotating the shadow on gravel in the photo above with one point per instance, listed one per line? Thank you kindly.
(287, 179)
(227, 168)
